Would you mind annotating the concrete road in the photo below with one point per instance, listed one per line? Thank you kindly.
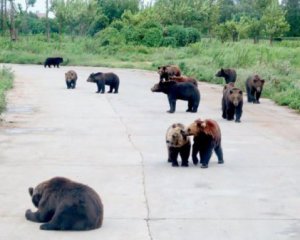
(115, 144)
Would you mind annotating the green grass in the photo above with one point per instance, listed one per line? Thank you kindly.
(6, 81)
(279, 64)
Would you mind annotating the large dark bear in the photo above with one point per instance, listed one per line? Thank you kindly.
(65, 205)
(178, 143)
(168, 71)
(229, 74)
(55, 61)
(184, 79)
(232, 103)
(207, 137)
(254, 87)
(184, 91)
(102, 79)
(71, 79)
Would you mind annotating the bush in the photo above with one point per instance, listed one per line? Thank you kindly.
(179, 33)
(193, 35)
(153, 37)
(110, 36)
(169, 41)
(6, 77)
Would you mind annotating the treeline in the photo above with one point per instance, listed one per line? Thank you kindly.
(156, 23)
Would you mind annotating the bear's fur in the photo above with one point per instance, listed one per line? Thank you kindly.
(65, 205)
(183, 91)
(71, 79)
(232, 103)
(167, 71)
(184, 79)
(55, 61)
(254, 87)
(207, 137)
(178, 143)
(102, 79)
(228, 74)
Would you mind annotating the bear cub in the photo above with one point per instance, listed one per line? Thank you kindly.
(71, 79)
(207, 138)
(102, 79)
(168, 71)
(254, 87)
(178, 143)
(65, 205)
(232, 103)
(228, 74)
(183, 90)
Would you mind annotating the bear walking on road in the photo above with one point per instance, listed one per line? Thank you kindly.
(102, 79)
(254, 87)
(228, 74)
(178, 144)
(55, 61)
(71, 79)
(232, 103)
(184, 91)
(65, 205)
(207, 138)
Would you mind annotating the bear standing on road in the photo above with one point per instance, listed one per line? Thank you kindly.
(228, 74)
(232, 103)
(184, 91)
(207, 138)
(55, 61)
(254, 87)
(71, 79)
(102, 79)
(65, 205)
(178, 143)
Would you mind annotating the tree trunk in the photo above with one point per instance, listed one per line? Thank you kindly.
(271, 40)
(47, 21)
(12, 28)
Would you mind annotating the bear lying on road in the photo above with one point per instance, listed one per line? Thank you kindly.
(229, 74)
(71, 78)
(102, 79)
(178, 143)
(184, 79)
(207, 137)
(65, 205)
(232, 103)
(55, 61)
(254, 87)
(167, 71)
(183, 91)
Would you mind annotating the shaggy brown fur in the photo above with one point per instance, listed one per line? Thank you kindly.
(71, 79)
(184, 79)
(167, 71)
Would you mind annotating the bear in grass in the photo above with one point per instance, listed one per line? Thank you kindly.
(232, 103)
(207, 138)
(184, 91)
(55, 61)
(254, 87)
(102, 79)
(184, 79)
(167, 71)
(228, 74)
(71, 79)
(178, 143)
(65, 205)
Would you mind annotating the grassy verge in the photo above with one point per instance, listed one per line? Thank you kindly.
(6, 81)
(279, 64)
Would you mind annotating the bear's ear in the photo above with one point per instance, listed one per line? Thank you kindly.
(174, 125)
(241, 92)
(231, 92)
(203, 124)
(158, 68)
(164, 68)
(30, 191)
(222, 70)
(182, 132)
(263, 80)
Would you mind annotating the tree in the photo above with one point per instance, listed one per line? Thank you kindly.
(274, 21)
(251, 27)
(11, 23)
(29, 3)
(47, 20)
(292, 8)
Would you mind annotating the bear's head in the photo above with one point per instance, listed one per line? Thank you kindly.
(221, 73)
(163, 72)
(208, 127)
(163, 86)
(37, 193)
(258, 83)
(69, 75)
(93, 77)
(60, 60)
(235, 96)
(175, 136)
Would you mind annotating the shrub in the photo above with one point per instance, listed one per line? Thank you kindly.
(153, 37)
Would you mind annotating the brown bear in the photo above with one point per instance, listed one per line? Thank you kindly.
(102, 79)
(71, 79)
(207, 137)
(184, 79)
(167, 71)
(178, 143)
(254, 87)
(229, 74)
(232, 103)
(184, 91)
(65, 205)
(55, 61)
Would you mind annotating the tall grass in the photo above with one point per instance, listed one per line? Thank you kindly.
(6, 81)
(279, 64)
